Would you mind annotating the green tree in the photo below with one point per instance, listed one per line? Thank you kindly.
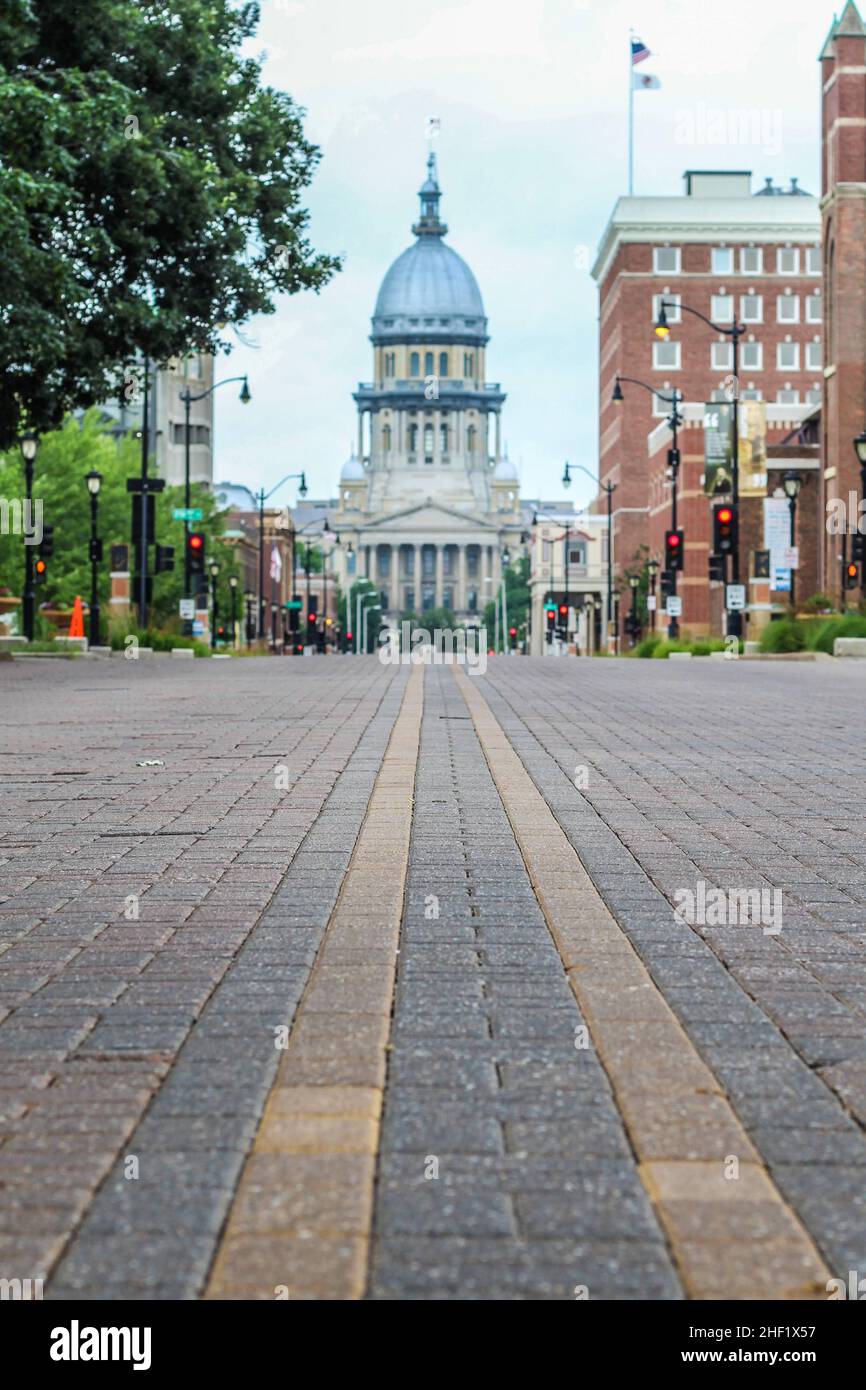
(347, 612)
(517, 600)
(149, 194)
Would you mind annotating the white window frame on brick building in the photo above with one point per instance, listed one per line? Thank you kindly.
(788, 308)
(814, 308)
(752, 393)
(667, 356)
(813, 260)
(788, 395)
(662, 407)
(788, 260)
(787, 356)
(814, 395)
(815, 356)
(722, 356)
(722, 308)
(752, 357)
(674, 256)
(751, 260)
(751, 308)
(722, 260)
(673, 311)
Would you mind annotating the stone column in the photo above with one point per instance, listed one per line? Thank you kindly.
(498, 431)
(462, 599)
(417, 578)
(440, 551)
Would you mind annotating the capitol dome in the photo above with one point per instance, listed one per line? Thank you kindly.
(505, 471)
(429, 294)
(352, 470)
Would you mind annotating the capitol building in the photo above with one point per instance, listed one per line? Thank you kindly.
(428, 501)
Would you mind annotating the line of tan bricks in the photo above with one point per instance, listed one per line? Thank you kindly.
(732, 1237)
(299, 1226)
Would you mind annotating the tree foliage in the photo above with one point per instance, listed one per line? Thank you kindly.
(149, 193)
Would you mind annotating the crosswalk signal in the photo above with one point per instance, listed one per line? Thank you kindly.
(724, 528)
(674, 545)
(164, 563)
(195, 552)
(852, 575)
(46, 545)
(666, 580)
(858, 547)
(717, 569)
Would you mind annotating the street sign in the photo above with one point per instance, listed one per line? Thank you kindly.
(674, 606)
(293, 603)
(187, 608)
(651, 603)
(735, 597)
(145, 484)
(782, 580)
(197, 627)
(187, 513)
(791, 557)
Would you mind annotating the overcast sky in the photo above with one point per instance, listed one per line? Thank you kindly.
(532, 98)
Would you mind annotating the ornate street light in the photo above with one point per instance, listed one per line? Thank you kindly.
(93, 479)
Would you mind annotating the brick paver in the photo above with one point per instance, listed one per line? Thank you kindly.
(159, 925)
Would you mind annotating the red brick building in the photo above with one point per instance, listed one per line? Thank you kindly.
(843, 189)
(723, 251)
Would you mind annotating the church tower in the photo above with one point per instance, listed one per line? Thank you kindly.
(428, 491)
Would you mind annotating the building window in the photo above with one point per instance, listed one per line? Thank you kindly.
(721, 356)
(410, 599)
(351, 558)
(414, 365)
(428, 364)
(751, 260)
(788, 260)
(673, 311)
(788, 308)
(722, 260)
(752, 356)
(469, 364)
(383, 562)
(666, 260)
(428, 443)
(428, 597)
(428, 561)
(386, 438)
(408, 561)
(815, 355)
(661, 406)
(788, 357)
(448, 559)
(390, 363)
(722, 308)
(447, 596)
(413, 439)
(719, 393)
(813, 395)
(788, 396)
(472, 600)
(471, 434)
(443, 438)
(443, 364)
(814, 308)
(666, 355)
(752, 308)
(752, 394)
(198, 434)
(813, 260)
(472, 561)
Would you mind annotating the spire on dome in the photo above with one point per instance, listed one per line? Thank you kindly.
(428, 223)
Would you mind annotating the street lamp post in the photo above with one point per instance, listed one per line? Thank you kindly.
(609, 489)
(263, 498)
(734, 331)
(674, 421)
(187, 398)
(214, 572)
(860, 451)
(326, 555)
(634, 581)
(792, 482)
(249, 600)
(94, 482)
(652, 570)
(275, 608)
(233, 589)
(29, 446)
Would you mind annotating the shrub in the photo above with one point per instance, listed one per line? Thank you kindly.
(821, 636)
(783, 635)
(647, 645)
(817, 603)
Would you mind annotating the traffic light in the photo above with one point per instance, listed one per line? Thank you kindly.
(40, 571)
(858, 547)
(674, 545)
(666, 580)
(717, 569)
(724, 528)
(550, 619)
(46, 545)
(164, 559)
(852, 575)
(562, 621)
(512, 633)
(195, 552)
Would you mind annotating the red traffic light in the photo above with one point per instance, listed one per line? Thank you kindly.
(40, 567)
(563, 610)
(195, 541)
(725, 516)
(348, 637)
(512, 632)
(852, 571)
(673, 539)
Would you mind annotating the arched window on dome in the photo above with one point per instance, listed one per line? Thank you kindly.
(428, 364)
(471, 435)
(414, 365)
(386, 439)
(443, 364)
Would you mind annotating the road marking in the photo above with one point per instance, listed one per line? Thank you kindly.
(299, 1225)
(731, 1237)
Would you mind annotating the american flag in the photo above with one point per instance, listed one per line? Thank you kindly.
(639, 52)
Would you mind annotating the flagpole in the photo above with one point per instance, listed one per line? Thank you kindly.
(630, 117)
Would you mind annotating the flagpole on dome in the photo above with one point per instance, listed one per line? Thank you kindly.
(630, 112)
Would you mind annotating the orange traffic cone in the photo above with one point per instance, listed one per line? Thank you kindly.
(76, 626)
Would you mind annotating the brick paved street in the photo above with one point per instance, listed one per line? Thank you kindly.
(325, 979)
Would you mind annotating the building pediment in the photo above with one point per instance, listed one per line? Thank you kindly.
(430, 516)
